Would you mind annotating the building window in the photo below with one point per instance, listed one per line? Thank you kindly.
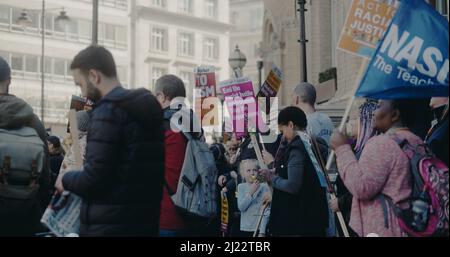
(48, 65)
(84, 29)
(109, 32)
(186, 44)
(157, 72)
(121, 34)
(159, 3)
(5, 56)
(185, 6)
(211, 49)
(17, 62)
(114, 35)
(31, 63)
(256, 19)
(59, 67)
(48, 24)
(187, 78)
(211, 8)
(4, 14)
(159, 40)
(234, 17)
(122, 74)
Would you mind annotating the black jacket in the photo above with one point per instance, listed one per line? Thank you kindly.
(304, 213)
(438, 139)
(122, 179)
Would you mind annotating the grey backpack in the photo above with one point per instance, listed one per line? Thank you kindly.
(22, 157)
(196, 190)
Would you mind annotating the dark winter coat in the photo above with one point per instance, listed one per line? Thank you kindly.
(438, 139)
(122, 179)
(299, 208)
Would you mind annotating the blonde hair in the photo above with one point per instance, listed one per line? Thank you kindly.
(246, 162)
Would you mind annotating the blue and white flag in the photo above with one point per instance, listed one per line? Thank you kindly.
(411, 61)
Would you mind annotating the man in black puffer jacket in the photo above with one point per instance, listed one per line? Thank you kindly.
(122, 178)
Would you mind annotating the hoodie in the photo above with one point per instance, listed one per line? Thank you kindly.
(14, 114)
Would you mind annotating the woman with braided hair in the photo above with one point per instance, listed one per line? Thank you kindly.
(383, 171)
(363, 132)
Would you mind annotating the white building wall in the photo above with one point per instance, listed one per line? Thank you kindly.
(247, 19)
(27, 42)
(174, 22)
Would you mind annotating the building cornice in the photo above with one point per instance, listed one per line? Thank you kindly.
(152, 58)
(158, 14)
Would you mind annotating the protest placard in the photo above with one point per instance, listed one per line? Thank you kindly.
(365, 25)
(241, 103)
(205, 86)
(272, 84)
(62, 216)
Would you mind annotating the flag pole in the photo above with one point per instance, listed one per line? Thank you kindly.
(348, 108)
(331, 190)
(331, 158)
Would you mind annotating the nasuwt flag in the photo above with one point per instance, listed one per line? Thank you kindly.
(412, 59)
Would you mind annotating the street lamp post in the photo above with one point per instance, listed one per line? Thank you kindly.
(260, 65)
(94, 22)
(302, 41)
(25, 21)
(237, 61)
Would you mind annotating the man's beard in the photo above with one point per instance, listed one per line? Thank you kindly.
(92, 92)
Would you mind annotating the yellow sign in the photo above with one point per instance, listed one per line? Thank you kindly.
(366, 23)
(224, 213)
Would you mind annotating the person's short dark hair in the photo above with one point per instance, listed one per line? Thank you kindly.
(97, 58)
(218, 151)
(415, 114)
(5, 70)
(306, 92)
(294, 114)
(171, 86)
(54, 141)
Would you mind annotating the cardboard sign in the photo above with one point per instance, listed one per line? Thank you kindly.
(74, 132)
(241, 103)
(205, 81)
(78, 103)
(224, 214)
(272, 84)
(205, 86)
(269, 89)
(366, 23)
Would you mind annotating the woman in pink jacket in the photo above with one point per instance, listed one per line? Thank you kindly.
(382, 170)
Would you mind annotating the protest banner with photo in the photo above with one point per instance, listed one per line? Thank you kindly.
(365, 25)
(412, 60)
(241, 103)
(205, 86)
(62, 216)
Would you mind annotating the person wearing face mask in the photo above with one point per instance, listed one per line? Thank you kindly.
(382, 169)
(299, 203)
(437, 137)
